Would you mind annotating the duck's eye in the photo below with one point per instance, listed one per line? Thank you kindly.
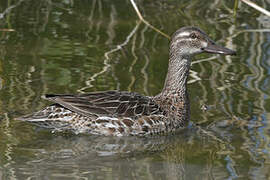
(193, 36)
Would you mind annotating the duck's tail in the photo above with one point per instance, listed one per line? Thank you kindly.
(52, 117)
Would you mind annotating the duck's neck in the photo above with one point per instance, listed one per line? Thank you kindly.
(176, 80)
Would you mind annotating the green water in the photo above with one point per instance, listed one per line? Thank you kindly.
(82, 46)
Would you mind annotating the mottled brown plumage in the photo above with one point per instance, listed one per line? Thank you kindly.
(125, 113)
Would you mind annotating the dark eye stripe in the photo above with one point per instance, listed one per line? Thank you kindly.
(193, 36)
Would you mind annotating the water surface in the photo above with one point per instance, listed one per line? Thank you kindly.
(84, 46)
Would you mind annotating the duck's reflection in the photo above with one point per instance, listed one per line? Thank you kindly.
(160, 157)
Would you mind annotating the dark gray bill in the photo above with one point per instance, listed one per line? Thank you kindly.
(216, 49)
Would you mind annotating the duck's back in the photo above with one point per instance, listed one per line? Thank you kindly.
(108, 113)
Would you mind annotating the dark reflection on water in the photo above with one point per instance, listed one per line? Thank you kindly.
(81, 46)
(52, 156)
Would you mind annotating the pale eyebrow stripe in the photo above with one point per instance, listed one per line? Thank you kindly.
(183, 34)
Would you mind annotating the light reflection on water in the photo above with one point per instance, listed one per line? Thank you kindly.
(72, 47)
(64, 155)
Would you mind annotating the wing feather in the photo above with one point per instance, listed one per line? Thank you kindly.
(110, 103)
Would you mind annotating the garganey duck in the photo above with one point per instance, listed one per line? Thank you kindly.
(121, 113)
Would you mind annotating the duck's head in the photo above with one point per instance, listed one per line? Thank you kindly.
(189, 41)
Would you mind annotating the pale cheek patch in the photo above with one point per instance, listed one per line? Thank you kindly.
(204, 44)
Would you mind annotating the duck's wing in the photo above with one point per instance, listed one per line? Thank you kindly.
(107, 103)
